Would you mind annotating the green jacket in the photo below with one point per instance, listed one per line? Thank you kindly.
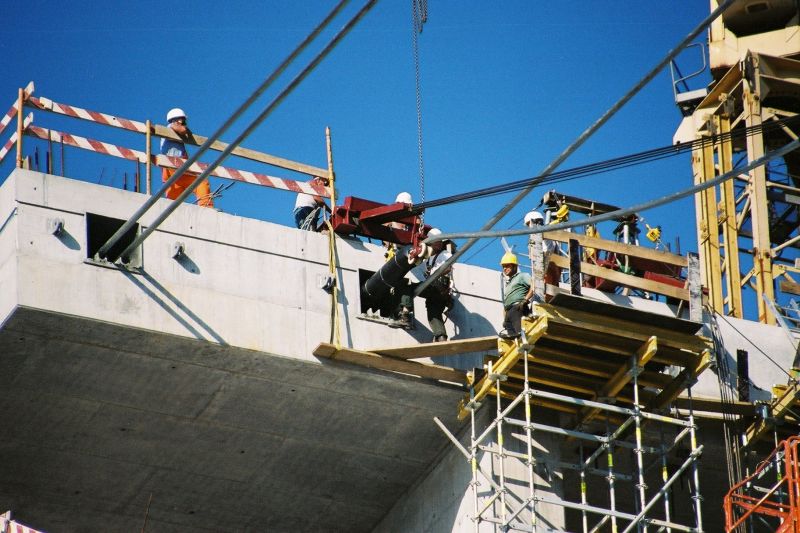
(516, 288)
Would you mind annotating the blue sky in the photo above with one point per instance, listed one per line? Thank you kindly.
(506, 87)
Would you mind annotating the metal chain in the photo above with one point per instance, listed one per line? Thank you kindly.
(419, 13)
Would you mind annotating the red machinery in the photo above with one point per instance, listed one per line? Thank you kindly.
(398, 223)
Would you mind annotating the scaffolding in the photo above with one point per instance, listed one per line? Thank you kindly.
(595, 372)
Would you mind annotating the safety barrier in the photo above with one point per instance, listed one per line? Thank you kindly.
(147, 157)
(771, 493)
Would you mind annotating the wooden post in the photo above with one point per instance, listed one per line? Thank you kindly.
(335, 333)
(148, 140)
(695, 288)
(574, 267)
(537, 266)
(20, 102)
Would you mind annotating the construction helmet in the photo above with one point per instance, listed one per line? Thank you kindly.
(175, 113)
(404, 197)
(434, 232)
(509, 258)
(533, 217)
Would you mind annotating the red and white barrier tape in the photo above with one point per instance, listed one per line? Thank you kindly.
(306, 187)
(94, 116)
(10, 526)
(7, 118)
(13, 111)
(13, 139)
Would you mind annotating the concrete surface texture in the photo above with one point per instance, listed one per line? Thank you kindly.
(187, 392)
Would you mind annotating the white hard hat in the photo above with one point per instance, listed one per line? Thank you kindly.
(434, 232)
(174, 113)
(404, 197)
(532, 217)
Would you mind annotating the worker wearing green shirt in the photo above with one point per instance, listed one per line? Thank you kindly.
(517, 293)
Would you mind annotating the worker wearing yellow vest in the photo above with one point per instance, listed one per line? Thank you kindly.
(176, 120)
(517, 293)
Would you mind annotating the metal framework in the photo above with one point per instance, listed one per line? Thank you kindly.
(770, 496)
(581, 365)
(748, 229)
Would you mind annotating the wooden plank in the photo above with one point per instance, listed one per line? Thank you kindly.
(622, 377)
(510, 355)
(371, 360)
(617, 247)
(565, 382)
(163, 131)
(715, 405)
(620, 328)
(788, 286)
(437, 349)
(627, 280)
(778, 408)
(687, 375)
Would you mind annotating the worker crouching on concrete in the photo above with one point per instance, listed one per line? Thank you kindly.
(176, 120)
(438, 295)
(517, 294)
(308, 208)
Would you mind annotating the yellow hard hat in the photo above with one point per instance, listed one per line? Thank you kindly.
(509, 258)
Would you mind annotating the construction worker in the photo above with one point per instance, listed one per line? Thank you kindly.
(438, 295)
(307, 208)
(176, 119)
(517, 293)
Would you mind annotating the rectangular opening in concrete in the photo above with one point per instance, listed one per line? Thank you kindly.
(99, 229)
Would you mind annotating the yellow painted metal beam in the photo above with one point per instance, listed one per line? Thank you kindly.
(730, 235)
(510, 353)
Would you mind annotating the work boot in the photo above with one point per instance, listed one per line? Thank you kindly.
(508, 335)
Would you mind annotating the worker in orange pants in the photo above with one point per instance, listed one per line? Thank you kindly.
(176, 119)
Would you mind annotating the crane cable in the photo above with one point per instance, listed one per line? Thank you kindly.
(608, 165)
(582, 138)
(419, 15)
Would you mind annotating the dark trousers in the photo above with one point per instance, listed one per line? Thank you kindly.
(513, 318)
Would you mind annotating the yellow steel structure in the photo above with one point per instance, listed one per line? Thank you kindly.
(748, 241)
(588, 353)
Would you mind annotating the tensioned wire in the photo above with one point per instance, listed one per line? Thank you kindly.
(607, 165)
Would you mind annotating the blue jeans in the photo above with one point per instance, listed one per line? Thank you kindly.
(300, 215)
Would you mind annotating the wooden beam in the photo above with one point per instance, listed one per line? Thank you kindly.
(622, 377)
(617, 247)
(790, 287)
(621, 328)
(163, 131)
(778, 408)
(687, 375)
(627, 280)
(510, 355)
(437, 349)
(372, 360)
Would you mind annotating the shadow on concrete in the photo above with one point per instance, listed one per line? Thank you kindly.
(186, 262)
(177, 303)
(68, 240)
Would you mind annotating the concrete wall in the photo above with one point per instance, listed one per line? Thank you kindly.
(242, 282)
(444, 501)
(770, 354)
